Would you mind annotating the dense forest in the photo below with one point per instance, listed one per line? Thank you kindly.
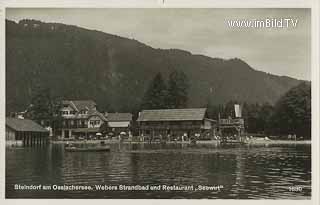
(115, 72)
(290, 115)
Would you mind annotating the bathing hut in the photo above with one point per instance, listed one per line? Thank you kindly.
(176, 122)
(24, 132)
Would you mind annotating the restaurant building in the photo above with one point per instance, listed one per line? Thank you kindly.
(80, 118)
(176, 123)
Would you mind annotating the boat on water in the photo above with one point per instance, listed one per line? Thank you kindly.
(232, 142)
(101, 148)
(87, 149)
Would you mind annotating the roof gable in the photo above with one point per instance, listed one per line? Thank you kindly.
(80, 104)
(84, 104)
(25, 125)
(173, 114)
(96, 113)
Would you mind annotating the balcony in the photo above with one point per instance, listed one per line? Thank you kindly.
(227, 122)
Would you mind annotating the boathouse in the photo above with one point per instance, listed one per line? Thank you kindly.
(176, 123)
(24, 132)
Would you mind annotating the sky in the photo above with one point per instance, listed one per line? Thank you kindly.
(280, 51)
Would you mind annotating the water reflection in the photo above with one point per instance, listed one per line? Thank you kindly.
(246, 172)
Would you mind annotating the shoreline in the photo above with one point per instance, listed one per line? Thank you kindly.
(250, 142)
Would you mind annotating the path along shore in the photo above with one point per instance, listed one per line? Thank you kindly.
(252, 141)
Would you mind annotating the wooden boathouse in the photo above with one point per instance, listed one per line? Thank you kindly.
(176, 123)
(25, 132)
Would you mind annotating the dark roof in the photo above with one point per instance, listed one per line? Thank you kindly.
(80, 104)
(24, 125)
(84, 104)
(173, 114)
(118, 117)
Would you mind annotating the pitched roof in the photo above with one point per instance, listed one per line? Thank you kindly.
(95, 112)
(84, 104)
(118, 117)
(80, 104)
(24, 125)
(173, 114)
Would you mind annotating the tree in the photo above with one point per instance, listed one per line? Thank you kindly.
(156, 94)
(255, 117)
(104, 128)
(293, 112)
(178, 87)
(44, 107)
(265, 118)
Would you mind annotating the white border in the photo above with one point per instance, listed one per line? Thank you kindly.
(314, 4)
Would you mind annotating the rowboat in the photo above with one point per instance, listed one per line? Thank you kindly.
(87, 149)
(232, 142)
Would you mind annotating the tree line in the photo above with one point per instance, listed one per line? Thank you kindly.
(290, 115)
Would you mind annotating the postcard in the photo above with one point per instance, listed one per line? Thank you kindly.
(160, 102)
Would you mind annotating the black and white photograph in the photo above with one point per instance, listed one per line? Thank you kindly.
(158, 103)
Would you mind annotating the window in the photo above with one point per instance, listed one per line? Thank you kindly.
(94, 122)
(83, 112)
(65, 113)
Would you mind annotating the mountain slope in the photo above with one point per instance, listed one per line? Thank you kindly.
(77, 63)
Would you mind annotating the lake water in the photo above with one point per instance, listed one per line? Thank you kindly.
(241, 171)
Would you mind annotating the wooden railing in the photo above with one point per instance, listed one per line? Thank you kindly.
(231, 122)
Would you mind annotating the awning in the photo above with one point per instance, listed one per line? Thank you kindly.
(124, 124)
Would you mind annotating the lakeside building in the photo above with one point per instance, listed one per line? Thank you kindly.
(119, 122)
(176, 123)
(231, 126)
(24, 132)
(80, 118)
